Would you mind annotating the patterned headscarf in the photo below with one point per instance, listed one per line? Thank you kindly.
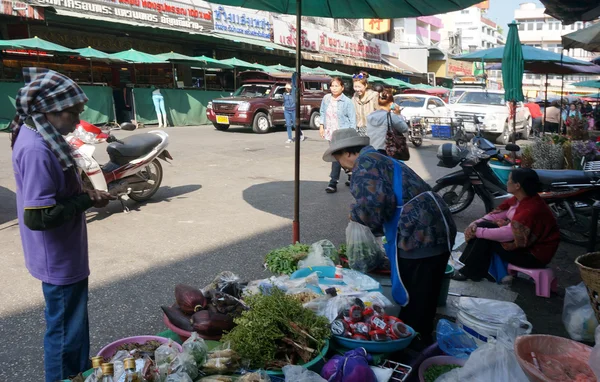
(47, 91)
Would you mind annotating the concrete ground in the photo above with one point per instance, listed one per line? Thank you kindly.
(225, 201)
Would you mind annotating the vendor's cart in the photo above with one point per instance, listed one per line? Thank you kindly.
(444, 128)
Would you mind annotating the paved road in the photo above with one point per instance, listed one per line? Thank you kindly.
(226, 200)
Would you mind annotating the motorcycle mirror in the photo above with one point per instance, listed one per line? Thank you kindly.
(512, 148)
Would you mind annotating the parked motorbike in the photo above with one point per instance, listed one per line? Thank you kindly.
(133, 170)
(416, 131)
(569, 193)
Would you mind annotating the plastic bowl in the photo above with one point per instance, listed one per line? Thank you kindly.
(439, 360)
(184, 334)
(375, 346)
(309, 365)
(561, 351)
(109, 350)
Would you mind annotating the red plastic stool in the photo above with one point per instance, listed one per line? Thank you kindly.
(544, 279)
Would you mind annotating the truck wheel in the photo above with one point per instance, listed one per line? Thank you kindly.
(315, 120)
(261, 125)
(527, 129)
(504, 138)
(220, 126)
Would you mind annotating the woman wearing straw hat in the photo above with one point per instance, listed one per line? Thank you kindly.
(417, 224)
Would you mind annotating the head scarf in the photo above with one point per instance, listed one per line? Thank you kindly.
(47, 91)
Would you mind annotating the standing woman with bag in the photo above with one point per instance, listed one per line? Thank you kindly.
(386, 117)
(365, 101)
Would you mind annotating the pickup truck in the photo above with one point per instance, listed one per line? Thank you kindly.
(494, 112)
(258, 103)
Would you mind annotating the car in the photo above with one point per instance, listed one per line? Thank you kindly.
(258, 102)
(422, 105)
(494, 113)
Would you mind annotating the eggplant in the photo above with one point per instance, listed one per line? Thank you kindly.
(207, 322)
(189, 299)
(178, 318)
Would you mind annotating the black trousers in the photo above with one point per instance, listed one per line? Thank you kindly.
(423, 281)
(550, 127)
(478, 256)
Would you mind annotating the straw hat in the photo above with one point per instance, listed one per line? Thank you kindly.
(342, 139)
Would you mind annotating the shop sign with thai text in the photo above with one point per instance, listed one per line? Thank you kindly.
(153, 13)
(284, 33)
(243, 22)
(359, 48)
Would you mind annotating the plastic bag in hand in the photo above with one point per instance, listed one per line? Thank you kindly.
(184, 363)
(578, 315)
(316, 258)
(295, 373)
(197, 348)
(363, 250)
(179, 377)
(165, 354)
(595, 355)
(453, 340)
(353, 366)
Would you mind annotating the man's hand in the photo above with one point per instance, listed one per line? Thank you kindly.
(322, 131)
(99, 198)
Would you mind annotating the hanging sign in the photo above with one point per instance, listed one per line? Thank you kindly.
(285, 34)
(238, 21)
(348, 46)
(377, 26)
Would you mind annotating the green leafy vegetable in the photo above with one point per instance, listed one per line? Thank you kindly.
(276, 331)
(285, 260)
(433, 372)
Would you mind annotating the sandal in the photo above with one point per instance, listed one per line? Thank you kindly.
(331, 189)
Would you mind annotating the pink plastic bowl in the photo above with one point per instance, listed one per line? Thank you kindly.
(109, 350)
(439, 360)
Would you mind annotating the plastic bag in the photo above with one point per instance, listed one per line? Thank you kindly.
(316, 258)
(363, 250)
(179, 377)
(165, 354)
(257, 376)
(196, 346)
(117, 361)
(453, 340)
(578, 315)
(295, 373)
(492, 311)
(359, 280)
(353, 366)
(222, 360)
(226, 282)
(184, 363)
(216, 378)
(595, 355)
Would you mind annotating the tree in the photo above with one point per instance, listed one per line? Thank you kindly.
(500, 30)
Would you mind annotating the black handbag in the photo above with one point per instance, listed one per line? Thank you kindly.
(395, 143)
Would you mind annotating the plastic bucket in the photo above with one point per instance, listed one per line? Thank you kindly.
(479, 330)
(445, 285)
(501, 170)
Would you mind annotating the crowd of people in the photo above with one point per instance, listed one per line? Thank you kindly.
(559, 116)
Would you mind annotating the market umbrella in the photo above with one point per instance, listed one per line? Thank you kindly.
(137, 57)
(239, 64)
(398, 83)
(337, 73)
(571, 11)
(267, 69)
(375, 79)
(210, 63)
(95, 55)
(174, 58)
(422, 86)
(513, 67)
(352, 9)
(530, 54)
(38, 44)
(590, 84)
(586, 39)
(282, 68)
(9, 44)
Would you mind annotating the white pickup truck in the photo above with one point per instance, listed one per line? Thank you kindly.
(493, 112)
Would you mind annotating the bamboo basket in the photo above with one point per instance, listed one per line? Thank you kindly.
(589, 268)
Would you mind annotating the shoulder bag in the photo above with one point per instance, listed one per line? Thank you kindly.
(395, 142)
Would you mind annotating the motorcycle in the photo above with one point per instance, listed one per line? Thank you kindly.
(416, 131)
(570, 194)
(133, 170)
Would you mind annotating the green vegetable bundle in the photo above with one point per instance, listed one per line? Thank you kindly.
(435, 371)
(277, 331)
(285, 260)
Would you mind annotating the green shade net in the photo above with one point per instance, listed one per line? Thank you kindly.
(185, 107)
(513, 66)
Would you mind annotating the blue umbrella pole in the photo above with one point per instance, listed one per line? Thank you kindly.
(296, 222)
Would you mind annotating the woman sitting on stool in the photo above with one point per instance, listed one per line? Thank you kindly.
(521, 231)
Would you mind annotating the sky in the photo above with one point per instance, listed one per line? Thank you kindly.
(502, 12)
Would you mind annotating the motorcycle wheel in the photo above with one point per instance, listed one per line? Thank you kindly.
(451, 193)
(576, 232)
(152, 172)
(417, 142)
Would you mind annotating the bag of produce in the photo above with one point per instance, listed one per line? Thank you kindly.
(285, 260)
(216, 378)
(295, 373)
(257, 376)
(184, 363)
(197, 348)
(189, 299)
(117, 361)
(453, 340)
(322, 253)
(165, 354)
(179, 377)
(353, 366)
(578, 315)
(226, 282)
(222, 360)
(363, 250)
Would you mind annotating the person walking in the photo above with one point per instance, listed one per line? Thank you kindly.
(364, 99)
(50, 208)
(536, 117)
(337, 112)
(159, 107)
(384, 117)
(289, 111)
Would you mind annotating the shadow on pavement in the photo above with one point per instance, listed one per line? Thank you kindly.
(8, 205)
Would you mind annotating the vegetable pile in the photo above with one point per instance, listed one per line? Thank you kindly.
(277, 331)
(433, 372)
(285, 260)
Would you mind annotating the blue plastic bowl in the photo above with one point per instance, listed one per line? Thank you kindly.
(375, 346)
(326, 276)
(311, 364)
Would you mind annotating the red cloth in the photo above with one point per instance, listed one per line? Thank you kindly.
(534, 110)
(534, 228)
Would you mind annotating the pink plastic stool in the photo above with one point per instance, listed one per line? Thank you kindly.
(544, 279)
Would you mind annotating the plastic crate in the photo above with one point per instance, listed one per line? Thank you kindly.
(441, 131)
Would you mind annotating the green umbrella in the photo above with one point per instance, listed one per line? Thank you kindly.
(375, 79)
(586, 39)
(210, 63)
(179, 58)
(530, 55)
(267, 69)
(9, 44)
(513, 67)
(36, 43)
(94, 55)
(588, 84)
(283, 68)
(137, 57)
(337, 73)
(422, 86)
(240, 64)
(398, 83)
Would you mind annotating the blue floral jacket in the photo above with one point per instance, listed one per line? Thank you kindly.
(346, 112)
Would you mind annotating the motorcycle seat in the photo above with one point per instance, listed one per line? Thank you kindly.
(547, 177)
(132, 147)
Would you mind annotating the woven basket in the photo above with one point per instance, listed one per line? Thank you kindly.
(589, 267)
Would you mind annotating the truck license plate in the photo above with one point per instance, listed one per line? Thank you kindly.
(223, 119)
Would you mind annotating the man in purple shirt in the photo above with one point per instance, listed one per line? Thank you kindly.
(50, 207)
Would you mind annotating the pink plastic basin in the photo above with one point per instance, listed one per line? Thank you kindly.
(439, 360)
(109, 350)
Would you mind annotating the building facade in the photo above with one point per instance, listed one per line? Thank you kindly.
(474, 29)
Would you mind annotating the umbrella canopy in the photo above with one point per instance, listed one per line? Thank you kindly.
(356, 9)
(552, 68)
(210, 63)
(513, 65)
(398, 83)
(240, 64)
(588, 84)
(282, 68)
(375, 79)
(177, 57)
(138, 57)
(571, 11)
(36, 43)
(422, 86)
(337, 73)
(587, 39)
(530, 54)
(267, 69)
(94, 54)
(9, 44)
